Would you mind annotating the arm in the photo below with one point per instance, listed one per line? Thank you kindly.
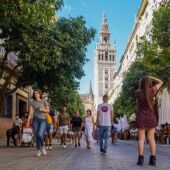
(111, 115)
(45, 109)
(160, 82)
(30, 115)
(97, 121)
(93, 123)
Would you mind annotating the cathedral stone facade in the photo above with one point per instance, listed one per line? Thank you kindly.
(104, 63)
(88, 100)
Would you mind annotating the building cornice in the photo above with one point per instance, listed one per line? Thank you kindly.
(142, 8)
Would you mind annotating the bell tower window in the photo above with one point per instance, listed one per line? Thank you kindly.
(106, 56)
(105, 40)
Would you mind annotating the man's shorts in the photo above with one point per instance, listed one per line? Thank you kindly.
(63, 130)
(49, 128)
(77, 130)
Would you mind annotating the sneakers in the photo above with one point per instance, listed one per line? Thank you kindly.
(64, 146)
(50, 148)
(44, 151)
(102, 151)
(38, 154)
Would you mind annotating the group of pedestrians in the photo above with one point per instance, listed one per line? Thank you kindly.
(146, 120)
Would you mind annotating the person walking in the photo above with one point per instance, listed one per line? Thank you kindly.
(104, 121)
(38, 110)
(63, 124)
(89, 128)
(51, 121)
(146, 118)
(76, 125)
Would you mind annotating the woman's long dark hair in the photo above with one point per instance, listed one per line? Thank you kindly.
(146, 85)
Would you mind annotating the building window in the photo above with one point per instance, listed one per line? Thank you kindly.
(106, 79)
(146, 16)
(99, 57)
(136, 38)
(106, 86)
(110, 57)
(106, 56)
(106, 72)
(8, 107)
(102, 57)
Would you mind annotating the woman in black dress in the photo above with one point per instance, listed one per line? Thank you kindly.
(146, 119)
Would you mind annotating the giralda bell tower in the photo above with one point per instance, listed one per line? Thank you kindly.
(104, 63)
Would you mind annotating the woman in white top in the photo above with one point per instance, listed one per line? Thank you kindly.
(89, 128)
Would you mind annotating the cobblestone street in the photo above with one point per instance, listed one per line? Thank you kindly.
(120, 156)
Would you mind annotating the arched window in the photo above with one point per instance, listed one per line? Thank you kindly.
(113, 57)
(98, 56)
(106, 56)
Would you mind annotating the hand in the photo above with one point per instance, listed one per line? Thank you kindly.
(27, 125)
(42, 109)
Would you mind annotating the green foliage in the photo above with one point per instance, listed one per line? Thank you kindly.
(153, 59)
(51, 54)
(69, 98)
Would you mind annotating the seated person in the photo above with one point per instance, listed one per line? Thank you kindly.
(10, 133)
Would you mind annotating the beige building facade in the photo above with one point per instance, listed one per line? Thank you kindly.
(142, 27)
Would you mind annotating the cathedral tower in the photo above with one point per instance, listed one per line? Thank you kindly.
(104, 63)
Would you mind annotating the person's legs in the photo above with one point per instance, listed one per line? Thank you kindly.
(35, 124)
(50, 135)
(41, 131)
(8, 137)
(79, 137)
(101, 132)
(106, 136)
(61, 134)
(65, 131)
(152, 144)
(151, 138)
(141, 141)
(75, 138)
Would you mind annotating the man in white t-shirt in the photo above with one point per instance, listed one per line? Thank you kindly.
(104, 121)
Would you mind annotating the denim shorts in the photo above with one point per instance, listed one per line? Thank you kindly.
(49, 128)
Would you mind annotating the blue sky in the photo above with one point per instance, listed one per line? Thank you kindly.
(120, 16)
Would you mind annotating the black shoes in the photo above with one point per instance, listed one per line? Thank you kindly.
(102, 151)
(140, 160)
(79, 144)
(152, 160)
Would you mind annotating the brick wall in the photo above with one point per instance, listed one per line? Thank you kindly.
(5, 124)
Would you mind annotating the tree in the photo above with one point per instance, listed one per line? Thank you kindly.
(50, 54)
(153, 59)
(69, 98)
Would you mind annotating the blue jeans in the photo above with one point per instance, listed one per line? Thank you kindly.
(104, 135)
(39, 126)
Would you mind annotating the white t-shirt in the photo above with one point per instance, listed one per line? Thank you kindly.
(104, 114)
(18, 121)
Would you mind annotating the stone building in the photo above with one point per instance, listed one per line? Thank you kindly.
(104, 63)
(88, 100)
(17, 102)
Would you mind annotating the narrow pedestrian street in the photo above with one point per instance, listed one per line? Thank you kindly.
(120, 156)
